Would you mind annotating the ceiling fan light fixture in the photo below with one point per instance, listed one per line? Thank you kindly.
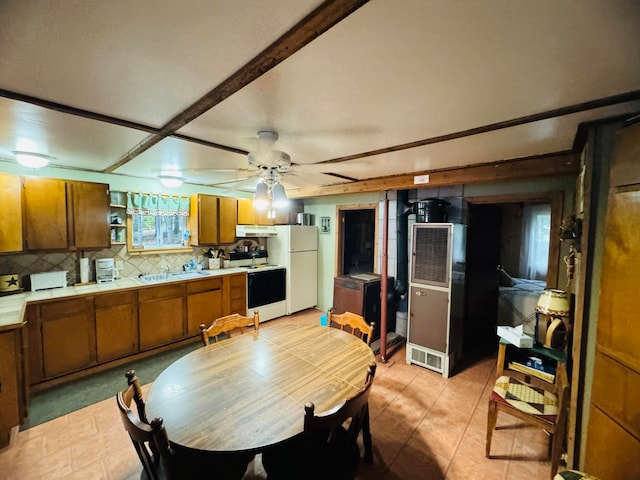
(261, 198)
(280, 199)
(171, 181)
(32, 160)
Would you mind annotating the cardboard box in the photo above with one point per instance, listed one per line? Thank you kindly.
(515, 336)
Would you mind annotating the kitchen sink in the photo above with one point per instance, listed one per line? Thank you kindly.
(169, 277)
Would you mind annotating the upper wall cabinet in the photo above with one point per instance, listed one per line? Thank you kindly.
(247, 214)
(213, 220)
(11, 218)
(65, 215)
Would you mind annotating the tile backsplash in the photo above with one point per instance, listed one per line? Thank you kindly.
(25, 264)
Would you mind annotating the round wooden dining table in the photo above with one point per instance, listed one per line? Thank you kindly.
(248, 392)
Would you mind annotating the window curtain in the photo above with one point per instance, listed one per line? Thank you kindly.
(536, 229)
(154, 204)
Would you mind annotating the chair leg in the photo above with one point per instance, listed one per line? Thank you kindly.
(492, 419)
(366, 437)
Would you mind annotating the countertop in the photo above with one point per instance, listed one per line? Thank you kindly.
(12, 307)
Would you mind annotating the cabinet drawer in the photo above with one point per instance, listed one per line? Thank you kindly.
(166, 291)
(238, 280)
(114, 299)
(204, 285)
(63, 308)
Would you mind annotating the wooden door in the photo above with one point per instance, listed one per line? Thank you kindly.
(207, 215)
(161, 313)
(204, 303)
(613, 432)
(9, 405)
(90, 215)
(116, 325)
(45, 214)
(11, 218)
(68, 339)
(236, 298)
(227, 212)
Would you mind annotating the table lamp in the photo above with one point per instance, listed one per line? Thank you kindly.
(554, 304)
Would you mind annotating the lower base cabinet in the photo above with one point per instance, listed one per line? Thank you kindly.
(10, 384)
(68, 338)
(116, 325)
(73, 334)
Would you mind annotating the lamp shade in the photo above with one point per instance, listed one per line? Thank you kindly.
(279, 196)
(554, 303)
(261, 198)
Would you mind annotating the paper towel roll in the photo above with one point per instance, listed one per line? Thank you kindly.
(84, 270)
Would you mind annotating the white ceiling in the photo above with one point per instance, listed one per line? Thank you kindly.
(89, 82)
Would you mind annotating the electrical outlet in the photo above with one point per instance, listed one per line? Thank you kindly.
(119, 264)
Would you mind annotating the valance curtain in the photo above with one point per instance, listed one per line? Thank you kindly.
(154, 204)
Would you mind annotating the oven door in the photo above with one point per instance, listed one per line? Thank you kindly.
(266, 287)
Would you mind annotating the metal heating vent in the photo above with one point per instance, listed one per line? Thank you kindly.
(432, 249)
(427, 359)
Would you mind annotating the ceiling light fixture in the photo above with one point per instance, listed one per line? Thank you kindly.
(32, 160)
(270, 193)
(171, 181)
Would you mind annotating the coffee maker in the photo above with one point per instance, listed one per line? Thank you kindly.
(106, 271)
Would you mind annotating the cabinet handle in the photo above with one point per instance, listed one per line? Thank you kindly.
(421, 294)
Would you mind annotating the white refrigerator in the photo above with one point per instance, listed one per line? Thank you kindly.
(296, 248)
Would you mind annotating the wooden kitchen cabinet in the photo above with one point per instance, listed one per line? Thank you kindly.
(11, 218)
(161, 314)
(236, 286)
(247, 214)
(12, 395)
(65, 215)
(68, 336)
(116, 325)
(213, 220)
(204, 304)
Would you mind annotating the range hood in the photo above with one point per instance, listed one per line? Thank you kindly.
(243, 231)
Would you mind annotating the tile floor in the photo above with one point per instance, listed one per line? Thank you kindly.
(423, 427)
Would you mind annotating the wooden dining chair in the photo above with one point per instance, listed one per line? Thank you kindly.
(356, 324)
(227, 324)
(328, 448)
(546, 408)
(149, 439)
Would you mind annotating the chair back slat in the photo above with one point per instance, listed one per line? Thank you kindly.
(228, 324)
(356, 323)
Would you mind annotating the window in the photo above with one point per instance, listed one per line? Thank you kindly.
(536, 232)
(158, 222)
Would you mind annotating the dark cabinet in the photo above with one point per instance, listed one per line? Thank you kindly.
(360, 293)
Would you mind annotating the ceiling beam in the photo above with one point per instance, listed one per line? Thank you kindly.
(325, 16)
(565, 163)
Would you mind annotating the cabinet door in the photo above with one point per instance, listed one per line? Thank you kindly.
(68, 340)
(246, 213)
(11, 218)
(228, 217)
(9, 392)
(45, 214)
(161, 322)
(116, 326)
(207, 215)
(90, 218)
(204, 308)
(429, 318)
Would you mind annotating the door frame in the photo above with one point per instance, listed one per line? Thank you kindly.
(340, 216)
(556, 199)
